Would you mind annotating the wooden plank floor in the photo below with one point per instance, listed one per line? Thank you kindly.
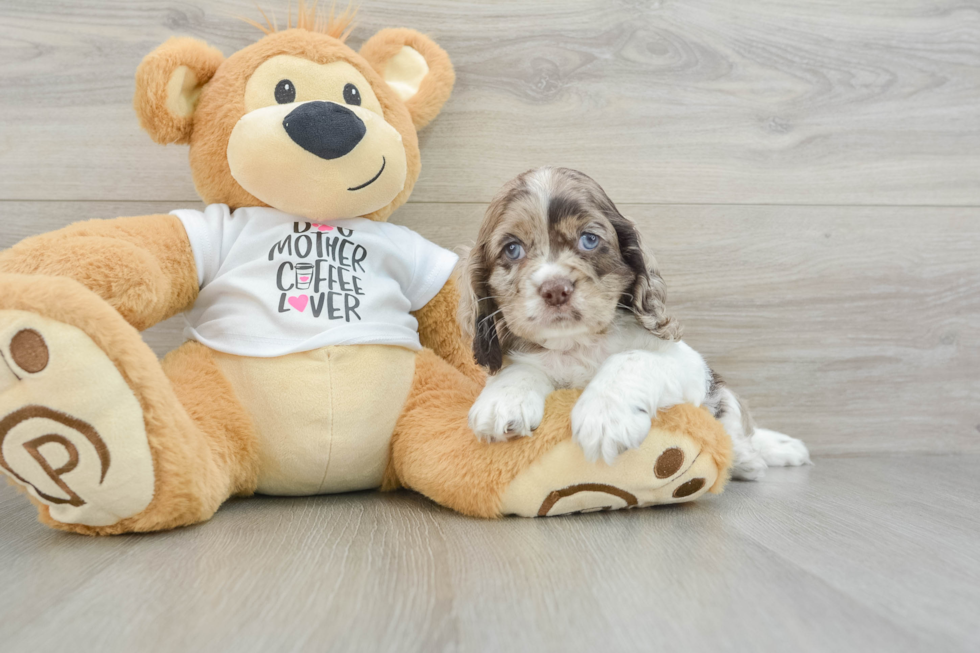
(854, 554)
(808, 174)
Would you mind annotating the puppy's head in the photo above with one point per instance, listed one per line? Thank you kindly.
(553, 263)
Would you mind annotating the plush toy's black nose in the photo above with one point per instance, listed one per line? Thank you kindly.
(326, 129)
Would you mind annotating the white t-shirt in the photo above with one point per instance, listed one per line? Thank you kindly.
(275, 284)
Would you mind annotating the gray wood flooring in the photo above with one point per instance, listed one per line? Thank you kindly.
(854, 554)
(808, 174)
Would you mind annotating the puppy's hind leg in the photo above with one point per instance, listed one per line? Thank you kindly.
(748, 463)
(753, 449)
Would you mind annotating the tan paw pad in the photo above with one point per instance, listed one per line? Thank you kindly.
(71, 429)
(667, 468)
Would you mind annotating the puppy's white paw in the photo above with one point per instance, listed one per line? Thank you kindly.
(608, 422)
(502, 413)
(779, 449)
(752, 468)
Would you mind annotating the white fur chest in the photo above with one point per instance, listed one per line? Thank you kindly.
(573, 362)
(571, 368)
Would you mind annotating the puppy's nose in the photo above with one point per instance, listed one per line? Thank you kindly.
(325, 129)
(556, 292)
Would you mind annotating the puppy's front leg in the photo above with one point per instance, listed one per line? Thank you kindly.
(614, 412)
(511, 404)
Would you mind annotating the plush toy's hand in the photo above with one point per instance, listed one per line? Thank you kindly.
(608, 419)
(511, 405)
(143, 267)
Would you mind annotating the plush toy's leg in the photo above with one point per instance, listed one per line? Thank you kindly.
(434, 452)
(103, 438)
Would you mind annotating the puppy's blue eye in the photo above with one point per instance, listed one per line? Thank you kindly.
(514, 251)
(588, 241)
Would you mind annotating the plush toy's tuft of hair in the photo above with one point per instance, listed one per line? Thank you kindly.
(339, 26)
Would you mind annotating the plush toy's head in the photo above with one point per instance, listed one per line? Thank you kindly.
(299, 121)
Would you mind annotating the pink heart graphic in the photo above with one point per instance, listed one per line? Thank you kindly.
(324, 227)
(299, 302)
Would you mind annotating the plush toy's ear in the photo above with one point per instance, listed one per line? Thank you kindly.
(415, 67)
(168, 85)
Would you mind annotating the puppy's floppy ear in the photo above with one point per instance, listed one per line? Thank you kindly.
(415, 67)
(477, 309)
(168, 84)
(648, 295)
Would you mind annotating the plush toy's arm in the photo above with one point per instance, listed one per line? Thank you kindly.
(143, 266)
(439, 331)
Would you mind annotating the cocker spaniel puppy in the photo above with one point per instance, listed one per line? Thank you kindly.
(562, 295)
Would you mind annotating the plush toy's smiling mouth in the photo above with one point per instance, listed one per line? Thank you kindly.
(373, 179)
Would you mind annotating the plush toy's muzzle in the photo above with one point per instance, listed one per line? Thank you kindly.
(318, 159)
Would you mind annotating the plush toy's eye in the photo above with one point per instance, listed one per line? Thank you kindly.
(285, 92)
(352, 95)
(514, 251)
(588, 241)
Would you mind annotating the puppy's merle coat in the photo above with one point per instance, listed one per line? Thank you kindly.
(561, 294)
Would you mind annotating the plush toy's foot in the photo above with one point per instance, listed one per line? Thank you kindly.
(90, 427)
(667, 468)
(72, 432)
(674, 464)
(686, 454)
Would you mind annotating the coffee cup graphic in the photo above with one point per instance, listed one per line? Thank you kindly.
(304, 275)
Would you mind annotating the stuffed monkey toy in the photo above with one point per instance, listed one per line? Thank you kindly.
(323, 353)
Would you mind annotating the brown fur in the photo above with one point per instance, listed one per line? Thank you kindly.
(439, 331)
(211, 403)
(152, 78)
(438, 83)
(308, 17)
(142, 266)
